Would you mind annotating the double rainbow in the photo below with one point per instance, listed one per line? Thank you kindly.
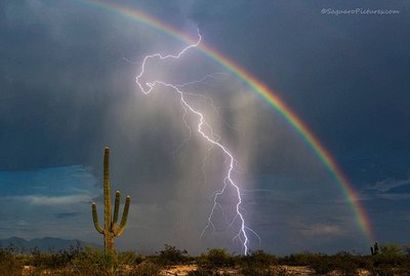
(265, 93)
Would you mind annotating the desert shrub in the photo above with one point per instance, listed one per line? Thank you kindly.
(257, 263)
(9, 263)
(53, 259)
(299, 259)
(93, 261)
(129, 258)
(259, 258)
(387, 261)
(170, 255)
(346, 263)
(391, 250)
(146, 269)
(322, 264)
(216, 258)
(390, 258)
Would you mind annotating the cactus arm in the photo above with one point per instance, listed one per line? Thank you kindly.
(118, 230)
(116, 207)
(125, 212)
(95, 219)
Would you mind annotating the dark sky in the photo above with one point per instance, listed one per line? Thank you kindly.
(67, 78)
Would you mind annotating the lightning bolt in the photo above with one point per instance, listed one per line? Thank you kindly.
(147, 88)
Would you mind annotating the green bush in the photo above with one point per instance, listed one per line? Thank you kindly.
(53, 259)
(91, 261)
(216, 258)
(95, 262)
(391, 250)
(322, 264)
(172, 256)
(259, 258)
(257, 263)
(391, 259)
(299, 259)
(346, 263)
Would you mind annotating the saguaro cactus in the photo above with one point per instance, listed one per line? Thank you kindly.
(375, 249)
(111, 229)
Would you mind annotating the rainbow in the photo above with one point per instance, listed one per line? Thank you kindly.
(265, 93)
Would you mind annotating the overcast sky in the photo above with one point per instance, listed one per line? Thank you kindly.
(67, 78)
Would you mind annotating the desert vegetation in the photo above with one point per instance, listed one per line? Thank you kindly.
(391, 260)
